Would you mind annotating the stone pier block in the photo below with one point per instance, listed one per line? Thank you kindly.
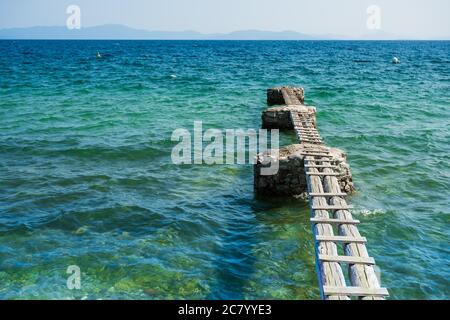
(291, 179)
(275, 96)
(280, 118)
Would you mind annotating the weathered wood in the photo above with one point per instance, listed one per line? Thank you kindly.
(331, 208)
(356, 291)
(329, 273)
(317, 155)
(327, 194)
(347, 259)
(334, 221)
(321, 166)
(290, 98)
(342, 239)
(360, 275)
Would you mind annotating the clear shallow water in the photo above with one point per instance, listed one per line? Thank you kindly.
(86, 177)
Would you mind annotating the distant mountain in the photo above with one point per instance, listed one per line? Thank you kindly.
(118, 32)
(106, 32)
(261, 35)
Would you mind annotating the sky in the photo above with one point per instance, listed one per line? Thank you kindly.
(406, 18)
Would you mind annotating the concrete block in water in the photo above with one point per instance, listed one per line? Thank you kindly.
(291, 178)
(275, 96)
(280, 117)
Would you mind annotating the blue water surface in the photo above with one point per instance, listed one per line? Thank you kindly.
(86, 176)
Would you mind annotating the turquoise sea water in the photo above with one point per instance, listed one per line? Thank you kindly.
(86, 176)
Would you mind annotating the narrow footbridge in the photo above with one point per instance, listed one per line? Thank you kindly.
(338, 242)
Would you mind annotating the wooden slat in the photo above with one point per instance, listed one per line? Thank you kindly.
(355, 291)
(321, 166)
(332, 208)
(333, 221)
(316, 150)
(341, 239)
(347, 259)
(335, 161)
(328, 195)
(317, 155)
(324, 174)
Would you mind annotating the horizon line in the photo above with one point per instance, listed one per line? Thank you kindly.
(215, 36)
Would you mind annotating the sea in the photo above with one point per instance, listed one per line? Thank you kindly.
(88, 188)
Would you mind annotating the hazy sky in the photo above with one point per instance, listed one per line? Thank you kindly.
(410, 18)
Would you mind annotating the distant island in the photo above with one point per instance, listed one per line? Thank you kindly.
(121, 32)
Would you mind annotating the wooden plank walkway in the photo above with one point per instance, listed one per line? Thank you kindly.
(333, 224)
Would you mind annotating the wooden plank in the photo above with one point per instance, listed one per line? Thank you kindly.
(317, 155)
(321, 166)
(315, 150)
(335, 161)
(324, 174)
(286, 97)
(347, 259)
(355, 291)
(308, 133)
(342, 239)
(332, 208)
(328, 194)
(333, 221)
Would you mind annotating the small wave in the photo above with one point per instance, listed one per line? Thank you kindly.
(367, 212)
